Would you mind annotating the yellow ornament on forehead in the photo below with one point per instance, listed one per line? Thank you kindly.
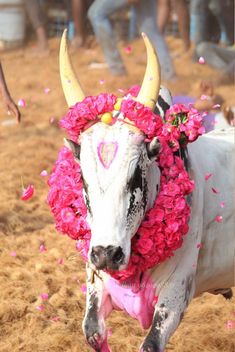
(107, 118)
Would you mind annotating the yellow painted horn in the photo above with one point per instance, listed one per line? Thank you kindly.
(70, 84)
(149, 91)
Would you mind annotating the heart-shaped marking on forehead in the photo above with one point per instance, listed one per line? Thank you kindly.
(107, 152)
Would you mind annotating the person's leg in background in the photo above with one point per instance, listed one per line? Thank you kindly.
(146, 10)
(163, 14)
(98, 15)
(182, 11)
(37, 20)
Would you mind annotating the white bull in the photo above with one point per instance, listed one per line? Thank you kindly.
(193, 269)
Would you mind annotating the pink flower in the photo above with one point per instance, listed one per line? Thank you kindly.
(42, 248)
(27, 192)
(44, 296)
(44, 173)
(84, 288)
(22, 103)
(55, 318)
(201, 60)
(218, 218)
(128, 49)
(207, 176)
(230, 324)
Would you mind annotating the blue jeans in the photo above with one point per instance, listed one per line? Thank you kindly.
(99, 13)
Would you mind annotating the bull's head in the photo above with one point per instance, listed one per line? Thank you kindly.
(120, 176)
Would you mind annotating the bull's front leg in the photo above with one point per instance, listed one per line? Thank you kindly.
(98, 307)
(172, 301)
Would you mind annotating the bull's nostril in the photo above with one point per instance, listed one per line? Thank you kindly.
(118, 255)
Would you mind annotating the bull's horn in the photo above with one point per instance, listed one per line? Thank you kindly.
(149, 91)
(71, 87)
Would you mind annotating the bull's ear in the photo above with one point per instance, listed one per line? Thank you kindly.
(153, 148)
(74, 147)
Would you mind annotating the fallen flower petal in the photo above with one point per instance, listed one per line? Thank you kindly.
(84, 288)
(214, 190)
(128, 49)
(40, 308)
(219, 218)
(27, 192)
(222, 204)
(44, 296)
(44, 173)
(60, 261)
(22, 103)
(42, 248)
(216, 106)
(204, 97)
(201, 60)
(47, 90)
(230, 324)
(55, 319)
(102, 81)
(109, 332)
(207, 176)
(13, 254)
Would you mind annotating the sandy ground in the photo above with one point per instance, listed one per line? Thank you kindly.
(25, 272)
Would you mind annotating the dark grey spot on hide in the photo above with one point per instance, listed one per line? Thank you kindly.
(91, 322)
(87, 200)
(161, 107)
(136, 182)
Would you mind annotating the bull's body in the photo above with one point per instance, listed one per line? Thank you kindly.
(205, 262)
(119, 191)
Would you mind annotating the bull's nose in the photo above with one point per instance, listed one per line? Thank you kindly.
(110, 257)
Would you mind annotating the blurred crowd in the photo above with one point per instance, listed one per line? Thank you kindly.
(205, 27)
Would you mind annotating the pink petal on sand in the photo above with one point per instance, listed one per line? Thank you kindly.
(128, 49)
(219, 218)
(13, 254)
(201, 60)
(27, 192)
(60, 261)
(47, 90)
(109, 332)
(194, 265)
(44, 296)
(55, 319)
(230, 324)
(216, 106)
(102, 81)
(84, 288)
(40, 308)
(22, 103)
(214, 190)
(52, 119)
(120, 90)
(42, 248)
(222, 204)
(204, 97)
(44, 173)
(207, 176)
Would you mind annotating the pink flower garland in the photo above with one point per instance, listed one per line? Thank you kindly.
(162, 230)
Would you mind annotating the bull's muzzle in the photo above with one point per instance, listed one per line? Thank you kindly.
(110, 257)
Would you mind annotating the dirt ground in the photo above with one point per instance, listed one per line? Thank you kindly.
(25, 271)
